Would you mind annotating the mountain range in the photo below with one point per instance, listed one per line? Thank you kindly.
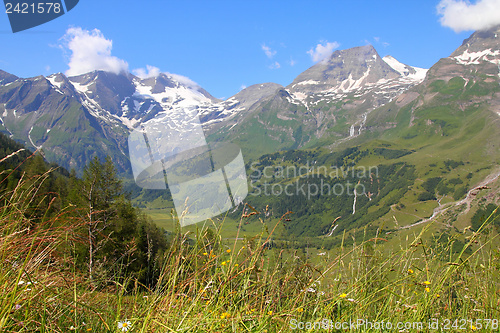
(72, 119)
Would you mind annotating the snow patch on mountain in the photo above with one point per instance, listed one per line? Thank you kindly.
(412, 73)
(57, 85)
(178, 97)
(475, 58)
(31, 141)
(350, 84)
(303, 83)
(130, 123)
(83, 88)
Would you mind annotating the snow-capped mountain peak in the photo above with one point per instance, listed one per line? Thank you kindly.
(413, 73)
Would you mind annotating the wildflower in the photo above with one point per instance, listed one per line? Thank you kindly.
(205, 254)
(427, 283)
(228, 250)
(89, 329)
(343, 295)
(236, 265)
(427, 289)
(225, 315)
(72, 328)
(223, 263)
(300, 310)
(437, 295)
(17, 306)
(472, 327)
(242, 247)
(410, 271)
(124, 325)
(270, 313)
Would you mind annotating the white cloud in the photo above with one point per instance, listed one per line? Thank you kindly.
(243, 87)
(268, 51)
(152, 71)
(90, 51)
(322, 50)
(462, 15)
(292, 62)
(377, 39)
(47, 68)
(149, 71)
(275, 65)
(183, 80)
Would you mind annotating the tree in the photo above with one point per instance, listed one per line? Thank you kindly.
(121, 242)
(101, 187)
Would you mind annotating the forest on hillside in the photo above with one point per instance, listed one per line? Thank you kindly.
(109, 237)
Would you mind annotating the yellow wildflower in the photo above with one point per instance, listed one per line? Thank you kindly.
(300, 310)
(270, 313)
(410, 271)
(228, 250)
(427, 283)
(343, 295)
(427, 289)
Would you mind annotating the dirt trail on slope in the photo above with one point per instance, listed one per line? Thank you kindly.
(467, 200)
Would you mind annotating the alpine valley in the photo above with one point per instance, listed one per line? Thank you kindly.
(422, 144)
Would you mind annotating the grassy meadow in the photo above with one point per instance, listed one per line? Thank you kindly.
(246, 284)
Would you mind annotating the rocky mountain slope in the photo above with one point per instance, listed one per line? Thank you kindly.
(328, 102)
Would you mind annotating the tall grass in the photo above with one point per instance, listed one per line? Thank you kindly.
(211, 285)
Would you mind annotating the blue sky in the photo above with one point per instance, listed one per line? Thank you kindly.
(224, 45)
